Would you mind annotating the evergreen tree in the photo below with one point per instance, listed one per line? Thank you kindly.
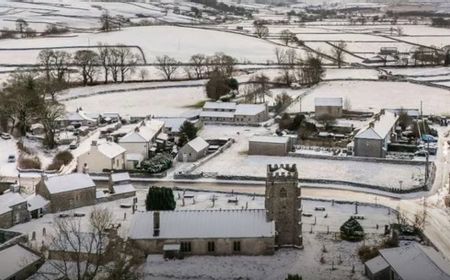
(189, 130)
(160, 198)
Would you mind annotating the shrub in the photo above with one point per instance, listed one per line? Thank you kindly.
(293, 277)
(29, 162)
(160, 198)
(157, 164)
(23, 148)
(60, 159)
(352, 230)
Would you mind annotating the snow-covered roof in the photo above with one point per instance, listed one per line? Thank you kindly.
(249, 109)
(14, 259)
(216, 114)
(70, 182)
(416, 262)
(120, 177)
(144, 132)
(381, 128)
(10, 199)
(100, 194)
(174, 124)
(376, 264)
(110, 149)
(126, 188)
(270, 139)
(328, 101)
(72, 117)
(203, 224)
(198, 144)
(35, 201)
(219, 106)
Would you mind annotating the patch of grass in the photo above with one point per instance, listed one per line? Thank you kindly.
(197, 105)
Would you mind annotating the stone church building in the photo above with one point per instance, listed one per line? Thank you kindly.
(227, 232)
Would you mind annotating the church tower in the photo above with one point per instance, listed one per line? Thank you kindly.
(283, 204)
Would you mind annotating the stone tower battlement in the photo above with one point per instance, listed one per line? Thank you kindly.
(288, 171)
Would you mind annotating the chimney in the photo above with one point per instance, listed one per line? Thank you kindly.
(136, 129)
(371, 125)
(382, 112)
(156, 223)
(44, 176)
(94, 143)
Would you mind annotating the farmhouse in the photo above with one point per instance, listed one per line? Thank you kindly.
(101, 156)
(270, 145)
(412, 262)
(67, 192)
(328, 106)
(227, 232)
(19, 262)
(77, 119)
(141, 138)
(13, 209)
(373, 140)
(193, 150)
(230, 112)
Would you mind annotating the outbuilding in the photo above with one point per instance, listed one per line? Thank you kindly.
(193, 150)
(270, 145)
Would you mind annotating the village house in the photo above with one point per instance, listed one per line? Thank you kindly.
(105, 155)
(120, 185)
(18, 262)
(37, 205)
(67, 192)
(13, 209)
(411, 262)
(227, 232)
(77, 119)
(270, 145)
(230, 112)
(193, 150)
(328, 107)
(141, 139)
(373, 140)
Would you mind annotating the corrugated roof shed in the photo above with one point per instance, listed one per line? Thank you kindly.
(219, 106)
(270, 139)
(249, 109)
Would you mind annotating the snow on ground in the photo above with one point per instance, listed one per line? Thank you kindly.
(155, 41)
(7, 148)
(373, 96)
(157, 102)
(235, 161)
(305, 262)
(353, 73)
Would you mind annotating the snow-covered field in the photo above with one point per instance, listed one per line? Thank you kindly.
(178, 42)
(373, 96)
(235, 161)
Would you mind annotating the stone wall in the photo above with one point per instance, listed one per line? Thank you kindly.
(223, 246)
(6, 220)
(73, 199)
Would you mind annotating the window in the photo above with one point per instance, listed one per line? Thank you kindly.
(211, 246)
(236, 246)
(185, 246)
(283, 192)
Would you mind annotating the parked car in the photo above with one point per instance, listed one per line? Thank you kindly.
(11, 158)
(427, 138)
(73, 145)
(5, 136)
(421, 153)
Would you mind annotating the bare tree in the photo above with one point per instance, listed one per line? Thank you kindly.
(60, 62)
(48, 114)
(260, 88)
(103, 55)
(167, 65)
(127, 61)
(113, 62)
(261, 31)
(81, 252)
(87, 61)
(339, 52)
(287, 59)
(221, 63)
(21, 26)
(198, 65)
(45, 59)
(287, 36)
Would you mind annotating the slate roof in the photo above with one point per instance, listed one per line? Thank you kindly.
(381, 128)
(328, 101)
(270, 139)
(198, 144)
(15, 258)
(249, 109)
(70, 182)
(219, 106)
(110, 149)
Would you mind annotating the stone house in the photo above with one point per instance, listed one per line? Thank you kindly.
(67, 192)
(141, 139)
(328, 106)
(411, 262)
(270, 145)
(37, 205)
(77, 119)
(13, 209)
(373, 140)
(193, 150)
(18, 262)
(106, 155)
(251, 113)
(204, 232)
